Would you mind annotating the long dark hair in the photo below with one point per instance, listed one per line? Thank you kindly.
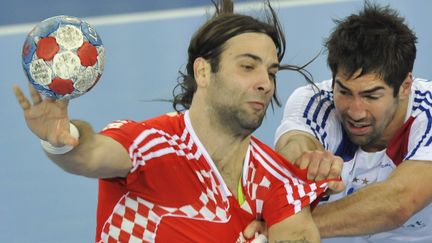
(208, 42)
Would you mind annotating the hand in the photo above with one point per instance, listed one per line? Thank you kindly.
(47, 118)
(256, 229)
(322, 165)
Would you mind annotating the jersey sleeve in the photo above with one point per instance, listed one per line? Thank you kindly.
(420, 138)
(291, 195)
(310, 109)
(288, 190)
(130, 135)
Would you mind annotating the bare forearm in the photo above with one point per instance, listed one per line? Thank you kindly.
(95, 156)
(294, 144)
(374, 209)
(77, 160)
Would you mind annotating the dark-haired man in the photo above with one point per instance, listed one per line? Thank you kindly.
(197, 175)
(378, 118)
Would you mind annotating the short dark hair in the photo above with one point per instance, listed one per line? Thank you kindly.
(374, 40)
(209, 42)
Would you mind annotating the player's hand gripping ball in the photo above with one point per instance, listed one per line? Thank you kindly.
(63, 57)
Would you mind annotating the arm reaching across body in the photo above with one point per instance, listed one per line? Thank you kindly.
(389, 203)
(305, 151)
(383, 201)
(92, 155)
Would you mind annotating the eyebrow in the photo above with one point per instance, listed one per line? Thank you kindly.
(368, 91)
(258, 59)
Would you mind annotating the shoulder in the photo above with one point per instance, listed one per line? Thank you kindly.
(169, 122)
(422, 97)
(307, 101)
(313, 96)
(312, 90)
(129, 132)
(163, 121)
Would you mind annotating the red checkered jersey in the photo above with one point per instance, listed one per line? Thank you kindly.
(174, 192)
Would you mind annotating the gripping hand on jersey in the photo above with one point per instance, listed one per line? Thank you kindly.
(46, 118)
(322, 165)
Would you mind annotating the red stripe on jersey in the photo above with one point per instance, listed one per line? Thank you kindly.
(398, 146)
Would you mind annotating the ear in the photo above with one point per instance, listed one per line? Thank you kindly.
(405, 88)
(202, 71)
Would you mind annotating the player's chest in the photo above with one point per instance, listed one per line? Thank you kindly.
(364, 169)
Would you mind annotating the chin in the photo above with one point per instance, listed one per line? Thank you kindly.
(360, 140)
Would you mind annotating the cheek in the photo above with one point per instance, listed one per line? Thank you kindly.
(273, 87)
(340, 104)
(383, 110)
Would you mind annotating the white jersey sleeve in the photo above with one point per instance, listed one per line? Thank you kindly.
(420, 136)
(312, 110)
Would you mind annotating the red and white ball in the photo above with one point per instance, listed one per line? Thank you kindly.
(63, 57)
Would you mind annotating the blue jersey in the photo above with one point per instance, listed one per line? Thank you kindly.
(311, 110)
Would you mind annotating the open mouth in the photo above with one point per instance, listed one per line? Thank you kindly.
(358, 128)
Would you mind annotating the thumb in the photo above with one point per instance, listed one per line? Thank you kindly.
(68, 139)
(70, 136)
(336, 186)
(254, 227)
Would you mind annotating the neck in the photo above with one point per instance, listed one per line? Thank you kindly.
(226, 149)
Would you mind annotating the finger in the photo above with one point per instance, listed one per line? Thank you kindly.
(35, 96)
(296, 162)
(313, 169)
(336, 168)
(303, 161)
(324, 169)
(22, 100)
(336, 186)
(64, 102)
(67, 139)
(254, 227)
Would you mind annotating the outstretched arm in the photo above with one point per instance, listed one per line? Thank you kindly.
(381, 206)
(93, 155)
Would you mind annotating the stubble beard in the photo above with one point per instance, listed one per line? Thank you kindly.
(365, 139)
(374, 138)
(238, 121)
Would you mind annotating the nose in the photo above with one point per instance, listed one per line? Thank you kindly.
(356, 109)
(265, 82)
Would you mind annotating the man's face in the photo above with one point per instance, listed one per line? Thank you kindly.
(366, 108)
(240, 92)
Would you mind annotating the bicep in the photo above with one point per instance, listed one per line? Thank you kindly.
(299, 227)
(110, 158)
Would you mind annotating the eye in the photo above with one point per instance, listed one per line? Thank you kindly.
(272, 76)
(247, 67)
(343, 92)
(371, 97)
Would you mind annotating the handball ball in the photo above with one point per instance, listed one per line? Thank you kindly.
(63, 57)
